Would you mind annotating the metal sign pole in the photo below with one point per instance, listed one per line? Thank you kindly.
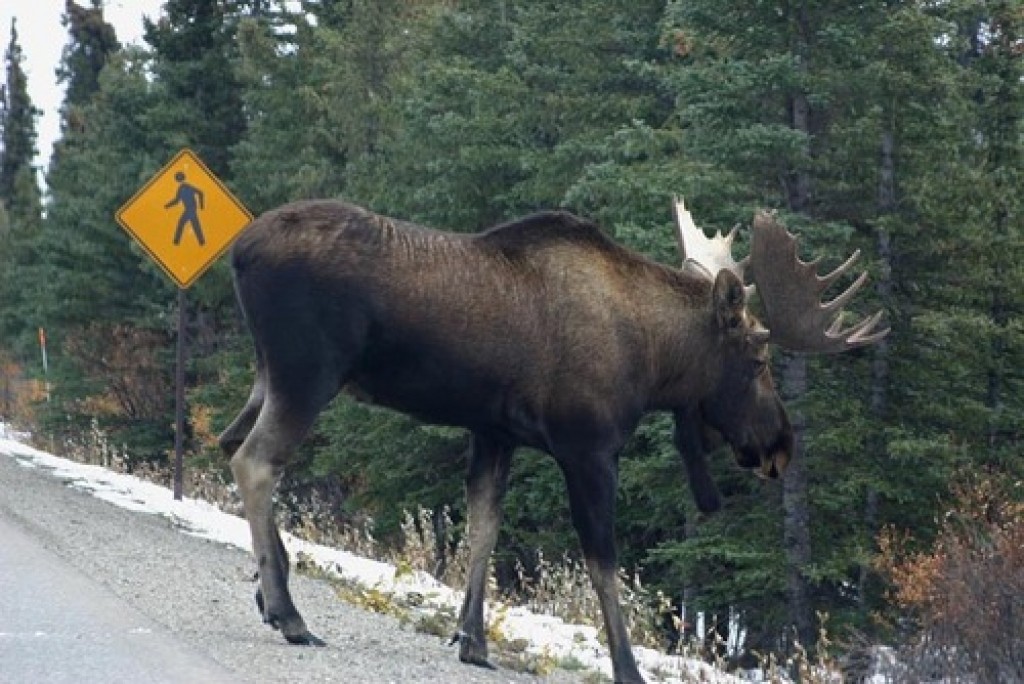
(46, 363)
(183, 194)
(179, 398)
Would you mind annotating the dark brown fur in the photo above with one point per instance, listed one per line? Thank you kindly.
(541, 332)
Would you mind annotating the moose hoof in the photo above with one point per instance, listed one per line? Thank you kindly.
(477, 660)
(472, 651)
(305, 639)
(294, 631)
(293, 627)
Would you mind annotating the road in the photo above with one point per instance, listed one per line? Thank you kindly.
(91, 592)
(61, 626)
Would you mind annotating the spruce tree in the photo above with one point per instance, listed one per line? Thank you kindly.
(195, 56)
(20, 198)
(105, 303)
(831, 113)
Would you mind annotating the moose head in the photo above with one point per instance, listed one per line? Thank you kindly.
(745, 408)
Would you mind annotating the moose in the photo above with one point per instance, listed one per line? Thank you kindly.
(541, 332)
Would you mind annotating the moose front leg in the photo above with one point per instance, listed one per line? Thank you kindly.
(592, 485)
(486, 483)
(689, 440)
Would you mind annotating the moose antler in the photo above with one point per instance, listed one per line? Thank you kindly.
(710, 254)
(791, 292)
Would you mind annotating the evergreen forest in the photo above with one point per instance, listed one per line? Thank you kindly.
(893, 127)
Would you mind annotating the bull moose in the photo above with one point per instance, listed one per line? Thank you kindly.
(541, 332)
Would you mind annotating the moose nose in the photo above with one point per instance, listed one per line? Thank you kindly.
(773, 465)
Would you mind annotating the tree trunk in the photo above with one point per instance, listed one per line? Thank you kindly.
(797, 516)
(799, 185)
(796, 512)
(1002, 113)
(876, 444)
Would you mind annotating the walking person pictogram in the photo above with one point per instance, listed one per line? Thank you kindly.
(191, 199)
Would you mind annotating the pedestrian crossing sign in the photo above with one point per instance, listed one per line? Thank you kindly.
(184, 218)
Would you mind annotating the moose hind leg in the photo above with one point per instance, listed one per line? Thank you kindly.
(257, 466)
(235, 433)
(486, 483)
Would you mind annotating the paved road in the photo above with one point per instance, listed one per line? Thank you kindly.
(60, 626)
(90, 592)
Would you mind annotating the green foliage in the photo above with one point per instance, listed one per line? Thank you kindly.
(894, 128)
(503, 106)
(280, 159)
(121, 297)
(19, 199)
(93, 40)
(196, 69)
(389, 463)
(17, 116)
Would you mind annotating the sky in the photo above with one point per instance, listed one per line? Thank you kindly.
(546, 635)
(42, 38)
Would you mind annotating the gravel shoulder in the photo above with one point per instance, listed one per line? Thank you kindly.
(201, 593)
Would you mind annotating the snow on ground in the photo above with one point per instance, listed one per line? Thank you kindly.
(547, 635)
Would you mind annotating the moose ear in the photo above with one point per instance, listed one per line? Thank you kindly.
(730, 299)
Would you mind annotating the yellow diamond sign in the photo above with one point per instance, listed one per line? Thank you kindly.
(184, 218)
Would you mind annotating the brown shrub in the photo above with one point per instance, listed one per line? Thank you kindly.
(965, 593)
(130, 364)
(18, 394)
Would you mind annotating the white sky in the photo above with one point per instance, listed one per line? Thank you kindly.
(545, 634)
(42, 38)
